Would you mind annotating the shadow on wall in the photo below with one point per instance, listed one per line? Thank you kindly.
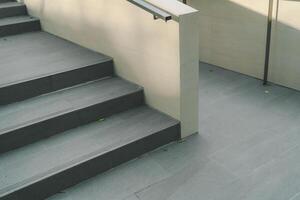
(285, 66)
(233, 36)
(117, 28)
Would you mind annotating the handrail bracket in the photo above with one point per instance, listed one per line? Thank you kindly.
(156, 12)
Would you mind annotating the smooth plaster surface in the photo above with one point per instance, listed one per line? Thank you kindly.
(285, 68)
(233, 36)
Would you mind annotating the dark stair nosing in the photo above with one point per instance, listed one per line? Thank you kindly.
(5, 1)
(36, 86)
(60, 178)
(28, 133)
(18, 25)
(11, 9)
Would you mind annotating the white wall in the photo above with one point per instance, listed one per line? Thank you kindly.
(285, 54)
(159, 56)
(233, 36)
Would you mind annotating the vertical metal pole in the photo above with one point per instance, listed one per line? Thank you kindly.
(184, 1)
(268, 43)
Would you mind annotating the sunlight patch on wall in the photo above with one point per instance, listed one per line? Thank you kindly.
(289, 14)
(260, 7)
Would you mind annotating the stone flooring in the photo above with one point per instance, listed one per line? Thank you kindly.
(248, 148)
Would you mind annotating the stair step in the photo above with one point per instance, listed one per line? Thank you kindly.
(36, 63)
(40, 170)
(4, 1)
(22, 123)
(10, 9)
(18, 25)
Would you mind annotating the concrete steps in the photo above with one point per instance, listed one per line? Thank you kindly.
(42, 169)
(4, 1)
(18, 24)
(41, 117)
(10, 9)
(36, 63)
(64, 115)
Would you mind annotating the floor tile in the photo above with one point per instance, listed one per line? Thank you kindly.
(247, 148)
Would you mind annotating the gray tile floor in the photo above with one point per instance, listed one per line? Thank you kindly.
(248, 148)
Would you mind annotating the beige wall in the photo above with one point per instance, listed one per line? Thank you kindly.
(149, 52)
(285, 66)
(233, 36)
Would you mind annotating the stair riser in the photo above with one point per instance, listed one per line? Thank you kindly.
(4, 1)
(24, 136)
(49, 186)
(13, 11)
(36, 87)
(19, 28)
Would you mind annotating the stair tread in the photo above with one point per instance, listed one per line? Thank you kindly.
(34, 55)
(10, 4)
(31, 111)
(17, 19)
(34, 162)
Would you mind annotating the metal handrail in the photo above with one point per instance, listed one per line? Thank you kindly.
(156, 12)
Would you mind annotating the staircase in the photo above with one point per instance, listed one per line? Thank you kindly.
(64, 116)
